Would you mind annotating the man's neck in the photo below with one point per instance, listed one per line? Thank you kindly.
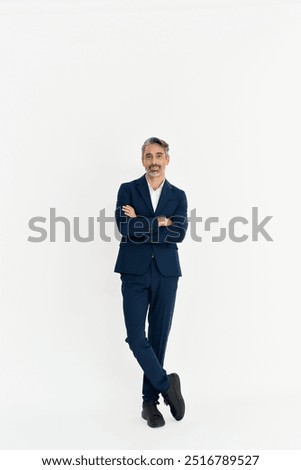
(155, 181)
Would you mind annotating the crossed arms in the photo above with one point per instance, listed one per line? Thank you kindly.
(162, 229)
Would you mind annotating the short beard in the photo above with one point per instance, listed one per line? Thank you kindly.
(152, 172)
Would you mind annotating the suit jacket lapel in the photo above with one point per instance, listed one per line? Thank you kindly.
(144, 191)
(165, 195)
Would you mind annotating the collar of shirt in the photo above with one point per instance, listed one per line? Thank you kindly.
(155, 193)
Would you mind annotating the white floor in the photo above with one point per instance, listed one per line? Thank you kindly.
(116, 424)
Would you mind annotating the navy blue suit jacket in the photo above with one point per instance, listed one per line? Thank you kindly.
(142, 238)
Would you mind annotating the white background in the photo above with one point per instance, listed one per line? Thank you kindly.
(83, 84)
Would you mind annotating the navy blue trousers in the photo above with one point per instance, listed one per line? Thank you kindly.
(151, 297)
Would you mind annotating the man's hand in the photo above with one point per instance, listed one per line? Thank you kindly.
(163, 221)
(129, 211)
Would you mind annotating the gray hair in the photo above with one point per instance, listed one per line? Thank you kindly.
(155, 140)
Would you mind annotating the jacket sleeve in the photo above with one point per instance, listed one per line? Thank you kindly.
(132, 226)
(176, 232)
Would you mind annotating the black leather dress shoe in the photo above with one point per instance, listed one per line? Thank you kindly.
(152, 415)
(173, 397)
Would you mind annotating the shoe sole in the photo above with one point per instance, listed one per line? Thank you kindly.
(177, 388)
(155, 426)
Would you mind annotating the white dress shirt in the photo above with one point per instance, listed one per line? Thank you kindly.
(155, 194)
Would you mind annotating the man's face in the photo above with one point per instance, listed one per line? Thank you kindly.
(154, 160)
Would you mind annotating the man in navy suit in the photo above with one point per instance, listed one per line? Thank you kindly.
(151, 215)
